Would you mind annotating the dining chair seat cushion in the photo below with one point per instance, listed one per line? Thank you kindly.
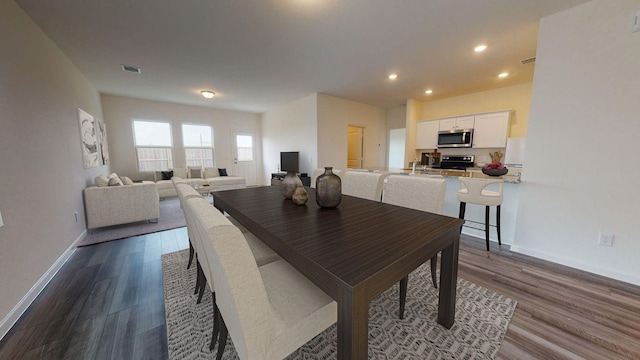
(260, 250)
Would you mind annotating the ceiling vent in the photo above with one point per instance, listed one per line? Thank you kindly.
(527, 61)
(131, 69)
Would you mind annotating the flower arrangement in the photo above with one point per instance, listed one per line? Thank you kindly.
(495, 168)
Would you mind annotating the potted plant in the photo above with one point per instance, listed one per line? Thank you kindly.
(495, 168)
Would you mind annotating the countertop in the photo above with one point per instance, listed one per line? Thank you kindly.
(475, 172)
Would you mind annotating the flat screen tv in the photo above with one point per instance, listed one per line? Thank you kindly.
(289, 161)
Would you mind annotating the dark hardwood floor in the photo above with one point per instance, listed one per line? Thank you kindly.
(107, 303)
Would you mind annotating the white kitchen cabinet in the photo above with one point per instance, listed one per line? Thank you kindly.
(457, 123)
(491, 130)
(427, 134)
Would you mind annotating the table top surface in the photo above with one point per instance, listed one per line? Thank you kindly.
(351, 244)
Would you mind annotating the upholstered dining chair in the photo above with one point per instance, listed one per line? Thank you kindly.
(269, 311)
(363, 184)
(418, 193)
(480, 192)
(185, 192)
(261, 252)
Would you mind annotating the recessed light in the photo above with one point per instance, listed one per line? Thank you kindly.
(503, 75)
(480, 48)
(393, 76)
(208, 94)
(428, 92)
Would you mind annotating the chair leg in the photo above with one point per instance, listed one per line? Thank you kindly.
(463, 207)
(434, 265)
(498, 227)
(203, 284)
(486, 227)
(216, 322)
(198, 276)
(403, 295)
(191, 252)
(222, 339)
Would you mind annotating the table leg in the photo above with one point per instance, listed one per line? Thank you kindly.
(448, 284)
(353, 325)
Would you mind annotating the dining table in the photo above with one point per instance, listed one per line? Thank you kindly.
(353, 252)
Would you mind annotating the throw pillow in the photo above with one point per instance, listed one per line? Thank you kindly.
(113, 176)
(195, 173)
(126, 180)
(222, 171)
(167, 175)
(115, 182)
(102, 181)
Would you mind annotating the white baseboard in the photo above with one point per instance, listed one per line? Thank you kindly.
(24, 303)
(613, 274)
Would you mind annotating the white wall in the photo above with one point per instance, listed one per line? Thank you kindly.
(291, 127)
(40, 158)
(119, 113)
(580, 170)
(334, 116)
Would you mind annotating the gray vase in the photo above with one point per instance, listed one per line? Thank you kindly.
(328, 189)
(289, 184)
(300, 196)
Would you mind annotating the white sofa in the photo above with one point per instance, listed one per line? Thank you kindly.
(209, 176)
(114, 205)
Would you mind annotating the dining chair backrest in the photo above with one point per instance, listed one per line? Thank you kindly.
(363, 184)
(185, 192)
(202, 214)
(415, 192)
(241, 295)
(178, 180)
(319, 171)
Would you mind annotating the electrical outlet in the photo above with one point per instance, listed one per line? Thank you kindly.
(605, 239)
(76, 214)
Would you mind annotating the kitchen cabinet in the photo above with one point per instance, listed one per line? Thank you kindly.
(457, 123)
(427, 134)
(491, 130)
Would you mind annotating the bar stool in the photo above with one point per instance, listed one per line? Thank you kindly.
(473, 191)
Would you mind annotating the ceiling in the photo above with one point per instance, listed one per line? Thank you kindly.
(260, 54)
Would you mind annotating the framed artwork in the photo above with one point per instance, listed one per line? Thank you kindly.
(102, 140)
(88, 139)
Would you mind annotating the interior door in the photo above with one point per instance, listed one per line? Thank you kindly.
(244, 156)
(355, 149)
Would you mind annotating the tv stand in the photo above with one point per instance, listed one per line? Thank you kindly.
(276, 178)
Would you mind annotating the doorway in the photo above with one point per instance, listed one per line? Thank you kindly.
(355, 147)
(244, 156)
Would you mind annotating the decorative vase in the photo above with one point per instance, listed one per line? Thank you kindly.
(328, 189)
(300, 196)
(289, 184)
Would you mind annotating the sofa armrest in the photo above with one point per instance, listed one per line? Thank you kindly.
(114, 205)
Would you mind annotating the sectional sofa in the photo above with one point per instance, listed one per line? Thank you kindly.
(196, 177)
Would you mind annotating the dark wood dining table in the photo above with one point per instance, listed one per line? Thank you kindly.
(353, 252)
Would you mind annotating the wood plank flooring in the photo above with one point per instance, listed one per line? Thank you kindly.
(107, 302)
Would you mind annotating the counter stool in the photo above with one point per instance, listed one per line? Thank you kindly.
(473, 191)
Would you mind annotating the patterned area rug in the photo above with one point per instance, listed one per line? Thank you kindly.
(482, 317)
(171, 217)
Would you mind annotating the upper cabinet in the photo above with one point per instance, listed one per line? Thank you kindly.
(457, 123)
(427, 135)
(491, 130)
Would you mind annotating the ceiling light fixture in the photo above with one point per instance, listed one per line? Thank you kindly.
(428, 92)
(393, 76)
(480, 48)
(208, 94)
(503, 75)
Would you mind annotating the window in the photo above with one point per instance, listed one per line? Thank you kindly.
(198, 145)
(244, 147)
(154, 147)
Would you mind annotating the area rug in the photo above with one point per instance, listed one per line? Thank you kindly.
(171, 217)
(482, 317)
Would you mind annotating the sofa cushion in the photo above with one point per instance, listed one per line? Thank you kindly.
(195, 173)
(210, 172)
(180, 172)
(126, 180)
(226, 180)
(102, 181)
(115, 182)
(222, 171)
(113, 176)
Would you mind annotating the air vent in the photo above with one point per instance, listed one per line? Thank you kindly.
(131, 69)
(529, 60)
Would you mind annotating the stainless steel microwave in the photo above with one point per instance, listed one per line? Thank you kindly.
(459, 138)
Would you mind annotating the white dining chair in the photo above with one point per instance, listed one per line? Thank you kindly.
(319, 171)
(185, 192)
(418, 193)
(363, 184)
(269, 311)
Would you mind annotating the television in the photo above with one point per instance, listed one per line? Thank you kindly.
(289, 161)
